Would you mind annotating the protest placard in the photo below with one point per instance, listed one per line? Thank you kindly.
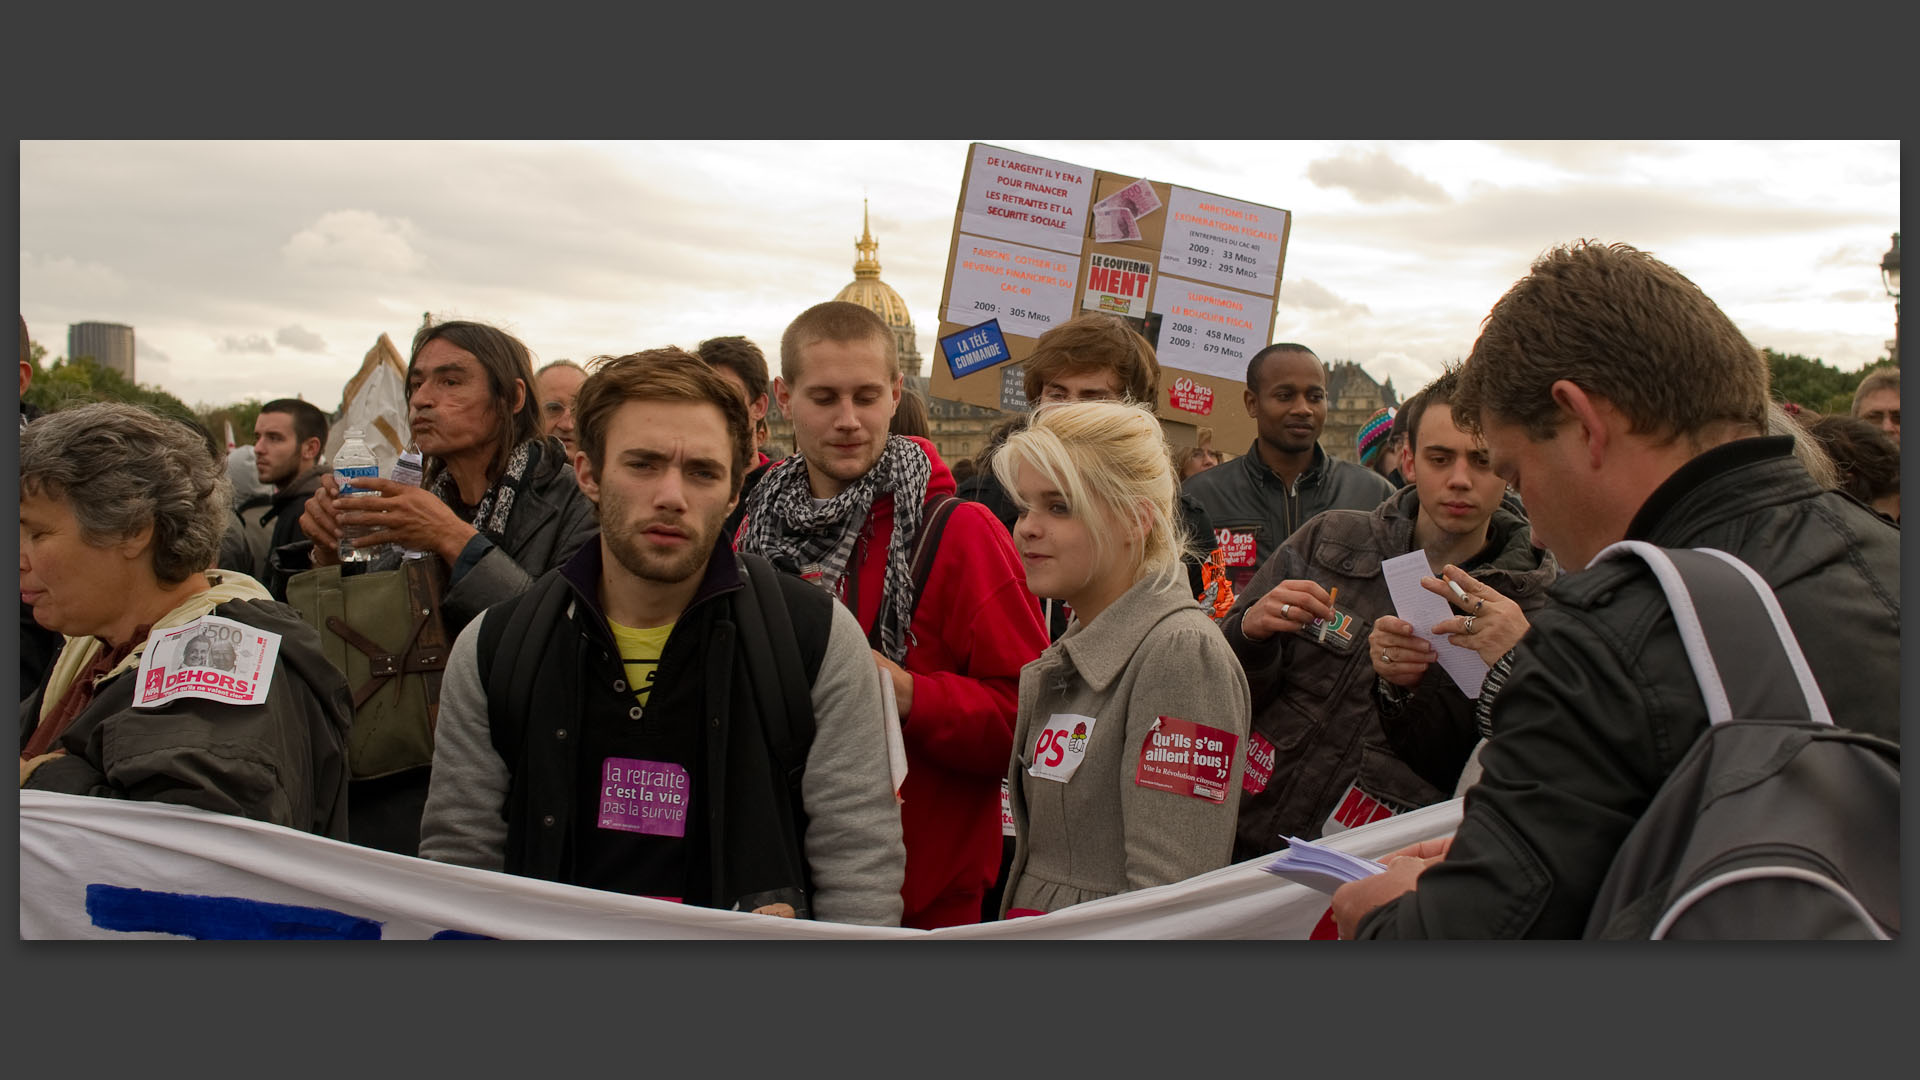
(1037, 241)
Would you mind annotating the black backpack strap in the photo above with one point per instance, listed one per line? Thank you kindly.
(1745, 656)
(510, 655)
(771, 643)
(933, 522)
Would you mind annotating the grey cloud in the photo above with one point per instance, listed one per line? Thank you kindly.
(1585, 156)
(356, 240)
(301, 339)
(252, 343)
(1311, 295)
(1503, 220)
(1374, 178)
(144, 353)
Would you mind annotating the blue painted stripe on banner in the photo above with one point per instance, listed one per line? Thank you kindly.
(220, 918)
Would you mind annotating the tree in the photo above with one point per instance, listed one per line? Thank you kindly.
(80, 381)
(1810, 383)
(241, 415)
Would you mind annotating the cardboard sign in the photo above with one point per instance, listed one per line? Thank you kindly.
(210, 657)
(974, 348)
(1006, 808)
(1187, 759)
(1122, 225)
(1190, 396)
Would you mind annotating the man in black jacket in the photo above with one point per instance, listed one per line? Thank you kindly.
(1258, 499)
(288, 437)
(1625, 405)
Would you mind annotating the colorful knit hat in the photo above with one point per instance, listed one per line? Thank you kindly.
(1373, 435)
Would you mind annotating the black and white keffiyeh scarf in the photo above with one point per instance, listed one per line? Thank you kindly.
(787, 528)
(490, 514)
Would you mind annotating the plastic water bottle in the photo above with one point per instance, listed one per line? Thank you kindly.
(409, 470)
(354, 461)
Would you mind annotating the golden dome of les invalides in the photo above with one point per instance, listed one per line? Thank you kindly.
(959, 430)
(877, 296)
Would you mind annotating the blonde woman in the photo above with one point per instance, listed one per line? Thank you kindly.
(1128, 744)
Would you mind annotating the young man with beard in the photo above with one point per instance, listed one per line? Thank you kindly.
(846, 512)
(288, 437)
(1318, 761)
(629, 750)
(1259, 499)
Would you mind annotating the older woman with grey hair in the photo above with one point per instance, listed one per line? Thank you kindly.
(121, 514)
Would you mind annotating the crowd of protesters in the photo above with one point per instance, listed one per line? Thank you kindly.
(678, 667)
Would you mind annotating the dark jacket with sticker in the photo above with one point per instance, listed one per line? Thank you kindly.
(519, 815)
(1602, 704)
(1152, 653)
(1315, 719)
(1246, 498)
(283, 761)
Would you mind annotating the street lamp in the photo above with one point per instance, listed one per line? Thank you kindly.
(1890, 277)
(1890, 270)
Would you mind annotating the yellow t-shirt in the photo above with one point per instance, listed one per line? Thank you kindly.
(640, 654)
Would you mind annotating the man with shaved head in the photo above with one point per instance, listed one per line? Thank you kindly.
(1257, 500)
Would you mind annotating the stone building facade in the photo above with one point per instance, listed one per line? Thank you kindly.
(1352, 396)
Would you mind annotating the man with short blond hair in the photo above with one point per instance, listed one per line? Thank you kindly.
(847, 511)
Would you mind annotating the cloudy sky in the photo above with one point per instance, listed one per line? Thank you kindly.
(265, 269)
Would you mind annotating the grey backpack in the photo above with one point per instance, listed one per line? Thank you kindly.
(1776, 824)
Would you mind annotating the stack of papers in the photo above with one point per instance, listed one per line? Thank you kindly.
(1321, 868)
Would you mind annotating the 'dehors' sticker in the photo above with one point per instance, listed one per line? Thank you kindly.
(211, 657)
(1187, 759)
(1061, 746)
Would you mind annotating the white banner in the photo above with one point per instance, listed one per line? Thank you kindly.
(105, 868)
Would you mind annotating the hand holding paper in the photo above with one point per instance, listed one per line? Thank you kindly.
(1498, 623)
(1321, 868)
(1420, 607)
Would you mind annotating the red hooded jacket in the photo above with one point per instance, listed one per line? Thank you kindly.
(975, 627)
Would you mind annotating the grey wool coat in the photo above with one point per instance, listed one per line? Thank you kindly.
(1154, 653)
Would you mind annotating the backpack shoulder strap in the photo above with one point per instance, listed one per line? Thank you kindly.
(1730, 622)
(781, 684)
(510, 654)
(926, 547)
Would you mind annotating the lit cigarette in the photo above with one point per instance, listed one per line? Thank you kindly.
(1457, 590)
(1331, 597)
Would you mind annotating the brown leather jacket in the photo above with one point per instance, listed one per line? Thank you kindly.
(1314, 717)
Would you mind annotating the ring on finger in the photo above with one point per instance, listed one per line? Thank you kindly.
(1386, 656)
(1283, 610)
(1467, 627)
(1478, 603)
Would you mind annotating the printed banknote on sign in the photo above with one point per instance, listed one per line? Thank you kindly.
(210, 657)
